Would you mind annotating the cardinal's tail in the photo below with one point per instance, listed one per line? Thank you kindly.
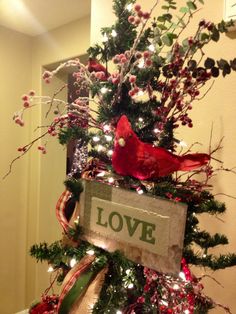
(193, 161)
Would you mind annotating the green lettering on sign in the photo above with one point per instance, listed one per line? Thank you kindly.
(99, 222)
(131, 228)
(147, 230)
(119, 226)
(116, 223)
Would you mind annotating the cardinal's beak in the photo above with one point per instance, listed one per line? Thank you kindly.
(121, 142)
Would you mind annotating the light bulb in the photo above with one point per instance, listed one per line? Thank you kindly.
(101, 174)
(139, 191)
(140, 119)
(141, 63)
(96, 138)
(76, 221)
(129, 7)
(151, 48)
(130, 286)
(182, 276)
(108, 138)
(111, 180)
(113, 33)
(164, 302)
(118, 312)
(183, 144)
(104, 38)
(72, 262)
(127, 271)
(50, 269)
(104, 90)
(110, 152)
(140, 93)
(90, 252)
(100, 148)
(106, 127)
(176, 287)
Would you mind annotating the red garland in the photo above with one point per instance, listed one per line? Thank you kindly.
(177, 295)
(48, 305)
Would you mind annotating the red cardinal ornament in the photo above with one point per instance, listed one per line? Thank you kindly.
(132, 157)
(95, 66)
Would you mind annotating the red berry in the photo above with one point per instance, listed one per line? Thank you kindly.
(123, 60)
(137, 21)
(202, 23)
(146, 15)
(140, 13)
(115, 80)
(131, 93)
(116, 60)
(148, 62)
(136, 90)
(210, 26)
(132, 79)
(26, 104)
(190, 40)
(131, 19)
(162, 308)
(138, 55)
(25, 97)
(31, 93)
(47, 74)
(146, 54)
(137, 7)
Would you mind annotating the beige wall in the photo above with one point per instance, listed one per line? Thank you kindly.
(15, 79)
(29, 194)
(47, 174)
(217, 107)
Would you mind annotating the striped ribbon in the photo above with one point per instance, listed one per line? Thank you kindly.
(60, 210)
(73, 275)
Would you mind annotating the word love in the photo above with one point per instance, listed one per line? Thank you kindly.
(116, 223)
(132, 225)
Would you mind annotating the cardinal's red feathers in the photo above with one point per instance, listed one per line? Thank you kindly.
(132, 157)
(95, 66)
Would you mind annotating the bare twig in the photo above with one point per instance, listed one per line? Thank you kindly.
(230, 196)
(53, 97)
(26, 149)
(207, 91)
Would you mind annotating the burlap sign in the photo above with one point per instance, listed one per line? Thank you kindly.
(147, 230)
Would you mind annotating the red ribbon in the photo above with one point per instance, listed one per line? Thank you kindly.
(60, 210)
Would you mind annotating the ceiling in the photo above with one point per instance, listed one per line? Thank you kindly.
(34, 17)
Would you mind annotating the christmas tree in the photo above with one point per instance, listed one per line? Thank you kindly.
(130, 127)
